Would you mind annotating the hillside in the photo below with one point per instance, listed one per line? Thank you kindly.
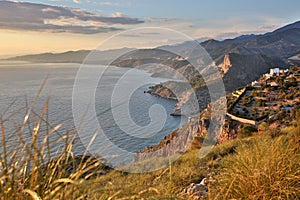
(103, 57)
(240, 60)
(249, 161)
(261, 163)
(251, 56)
(256, 53)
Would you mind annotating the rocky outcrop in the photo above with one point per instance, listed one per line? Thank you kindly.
(182, 139)
(183, 93)
(191, 100)
(198, 191)
(244, 69)
(225, 66)
(163, 91)
(178, 141)
(229, 130)
(184, 105)
(244, 59)
(195, 191)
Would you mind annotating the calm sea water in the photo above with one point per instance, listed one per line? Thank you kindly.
(19, 83)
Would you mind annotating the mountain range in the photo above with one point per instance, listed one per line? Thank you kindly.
(240, 60)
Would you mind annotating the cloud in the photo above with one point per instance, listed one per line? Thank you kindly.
(151, 19)
(140, 34)
(109, 3)
(167, 19)
(257, 31)
(267, 27)
(40, 17)
(118, 14)
(76, 1)
(231, 35)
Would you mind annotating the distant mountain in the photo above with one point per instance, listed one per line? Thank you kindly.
(245, 58)
(241, 60)
(99, 57)
(66, 57)
(282, 44)
(295, 25)
(245, 37)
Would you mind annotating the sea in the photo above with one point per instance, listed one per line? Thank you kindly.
(126, 115)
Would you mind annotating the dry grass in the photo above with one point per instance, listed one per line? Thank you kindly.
(29, 170)
(267, 168)
(258, 167)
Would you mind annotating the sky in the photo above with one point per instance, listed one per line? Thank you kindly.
(29, 27)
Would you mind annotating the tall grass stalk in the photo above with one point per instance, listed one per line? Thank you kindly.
(30, 169)
(268, 168)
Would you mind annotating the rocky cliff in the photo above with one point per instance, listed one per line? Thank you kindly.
(245, 58)
(239, 70)
(225, 66)
(188, 136)
(241, 60)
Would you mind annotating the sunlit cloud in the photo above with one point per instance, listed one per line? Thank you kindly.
(39, 17)
(109, 3)
(151, 19)
(118, 14)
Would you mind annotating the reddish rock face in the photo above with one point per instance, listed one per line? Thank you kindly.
(226, 64)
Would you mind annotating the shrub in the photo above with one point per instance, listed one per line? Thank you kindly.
(246, 131)
(264, 127)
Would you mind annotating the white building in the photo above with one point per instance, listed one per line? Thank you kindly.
(275, 71)
(267, 76)
(273, 84)
(256, 84)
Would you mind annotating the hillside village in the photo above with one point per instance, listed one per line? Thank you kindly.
(78, 80)
(263, 108)
(272, 102)
(273, 99)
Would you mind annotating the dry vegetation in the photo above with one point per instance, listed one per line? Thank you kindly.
(266, 168)
(262, 166)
